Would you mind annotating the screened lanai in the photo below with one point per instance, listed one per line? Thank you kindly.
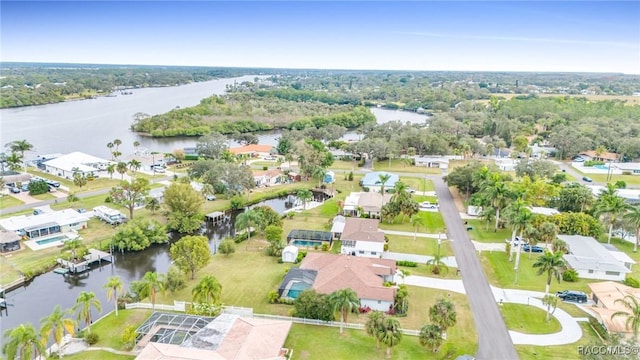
(170, 328)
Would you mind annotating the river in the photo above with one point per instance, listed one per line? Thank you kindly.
(87, 126)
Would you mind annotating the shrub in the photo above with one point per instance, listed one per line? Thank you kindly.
(237, 202)
(407, 263)
(265, 168)
(620, 184)
(570, 275)
(108, 199)
(633, 282)
(176, 280)
(325, 247)
(72, 198)
(227, 247)
(273, 296)
(386, 247)
(301, 256)
(598, 327)
(626, 173)
(590, 163)
(92, 338)
(350, 176)
(38, 187)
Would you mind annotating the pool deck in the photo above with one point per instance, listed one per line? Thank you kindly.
(33, 244)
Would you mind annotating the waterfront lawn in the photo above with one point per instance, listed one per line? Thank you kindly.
(528, 319)
(400, 166)
(110, 327)
(481, 234)
(433, 221)
(419, 246)
(500, 273)
(561, 352)
(98, 355)
(7, 201)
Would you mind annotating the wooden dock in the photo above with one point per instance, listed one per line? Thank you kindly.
(94, 256)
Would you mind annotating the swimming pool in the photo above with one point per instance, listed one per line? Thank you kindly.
(306, 243)
(601, 167)
(61, 238)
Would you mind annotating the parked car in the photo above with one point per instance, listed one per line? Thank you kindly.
(534, 248)
(81, 210)
(158, 169)
(37, 211)
(572, 296)
(25, 187)
(428, 205)
(210, 197)
(587, 179)
(272, 158)
(517, 241)
(14, 190)
(411, 191)
(53, 183)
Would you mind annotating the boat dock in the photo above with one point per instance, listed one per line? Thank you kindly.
(94, 256)
(217, 217)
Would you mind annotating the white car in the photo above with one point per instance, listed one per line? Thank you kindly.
(158, 169)
(517, 241)
(428, 205)
(272, 158)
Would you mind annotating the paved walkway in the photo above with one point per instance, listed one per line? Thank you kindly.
(421, 259)
(569, 334)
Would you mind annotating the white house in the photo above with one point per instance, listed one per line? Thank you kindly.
(543, 210)
(361, 237)
(592, 260)
(506, 164)
(431, 162)
(633, 168)
(290, 254)
(65, 165)
(367, 203)
(268, 177)
(337, 226)
(46, 223)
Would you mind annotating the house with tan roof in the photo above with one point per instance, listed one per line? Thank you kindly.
(605, 156)
(361, 237)
(365, 276)
(269, 177)
(253, 150)
(604, 295)
(365, 203)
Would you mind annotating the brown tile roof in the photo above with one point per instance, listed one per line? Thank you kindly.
(607, 292)
(361, 274)
(359, 229)
(604, 155)
(253, 148)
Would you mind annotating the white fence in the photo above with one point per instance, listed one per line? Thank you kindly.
(180, 306)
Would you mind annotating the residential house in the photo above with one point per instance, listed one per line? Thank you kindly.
(253, 150)
(372, 180)
(592, 260)
(341, 155)
(268, 177)
(629, 195)
(506, 164)
(147, 161)
(605, 156)
(337, 226)
(630, 167)
(46, 223)
(361, 237)
(605, 295)
(365, 203)
(366, 276)
(543, 210)
(66, 165)
(431, 162)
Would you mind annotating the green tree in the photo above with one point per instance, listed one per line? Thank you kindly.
(114, 287)
(633, 218)
(227, 247)
(184, 204)
(443, 313)
(632, 315)
(374, 323)
(20, 146)
(417, 222)
(497, 193)
(273, 233)
(151, 284)
(13, 161)
(55, 325)
(131, 194)
(76, 247)
(152, 204)
(305, 196)
(311, 305)
(79, 178)
(344, 301)
(129, 336)
(613, 207)
(390, 333)
(319, 173)
(191, 253)
(551, 302)
(121, 168)
(552, 264)
(431, 336)
(85, 301)
(134, 165)
(382, 180)
(139, 234)
(111, 168)
(23, 343)
(248, 220)
(208, 290)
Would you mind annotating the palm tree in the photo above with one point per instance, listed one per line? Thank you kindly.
(443, 313)
(248, 219)
(319, 173)
(13, 161)
(431, 336)
(111, 168)
(114, 286)
(84, 302)
(134, 165)
(382, 180)
(116, 143)
(73, 245)
(110, 146)
(208, 290)
(305, 196)
(136, 145)
(417, 222)
(497, 193)
(152, 283)
(551, 263)
(632, 316)
(344, 301)
(20, 146)
(548, 232)
(152, 204)
(389, 333)
(404, 273)
(55, 325)
(23, 343)
(373, 324)
(614, 206)
(633, 217)
(121, 168)
(551, 302)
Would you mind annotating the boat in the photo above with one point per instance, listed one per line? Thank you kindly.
(61, 271)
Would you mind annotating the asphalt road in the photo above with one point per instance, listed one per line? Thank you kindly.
(494, 341)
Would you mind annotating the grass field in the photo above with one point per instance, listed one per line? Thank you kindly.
(562, 352)
(420, 246)
(98, 355)
(110, 327)
(7, 201)
(399, 166)
(528, 319)
(433, 220)
(628, 99)
(42, 197)
(481, 234)
(418, 184)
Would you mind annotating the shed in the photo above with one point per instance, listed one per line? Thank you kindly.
(290, 254)
(9, 241)
(329, 177)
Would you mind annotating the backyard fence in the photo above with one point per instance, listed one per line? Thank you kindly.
(180, 306)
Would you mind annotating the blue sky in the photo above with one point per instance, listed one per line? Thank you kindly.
(418, 35)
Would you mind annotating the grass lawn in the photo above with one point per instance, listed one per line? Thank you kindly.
(99, 355)
(433, 221)
(344, 165)
(8, 201)
(481, 234)
(629, 179)
(420, 246)
(528, 319)
(561, 352)
(418, 184)
(110, 327)
(500, 272)
(422, 198)
(398, 165)
(45, 196)
(99, 183)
